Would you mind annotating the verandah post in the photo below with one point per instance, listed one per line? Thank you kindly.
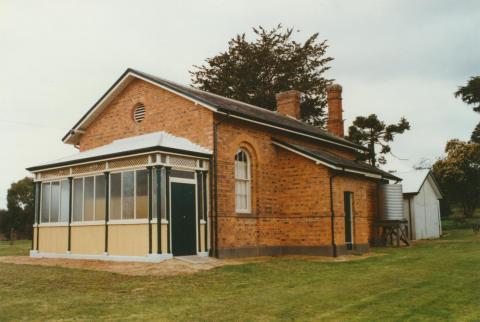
(107, 208)
(150, 208)
(70, 195)
(39, 187)
(167, 208)
(159, 208)
(205, 209)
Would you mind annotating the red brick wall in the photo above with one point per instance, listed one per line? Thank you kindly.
(290, 200)
(290, 194)
(164, 111)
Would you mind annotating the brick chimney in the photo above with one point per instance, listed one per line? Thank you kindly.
(288, 103)
(335, 111)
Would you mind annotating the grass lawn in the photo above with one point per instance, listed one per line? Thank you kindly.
(433, 281)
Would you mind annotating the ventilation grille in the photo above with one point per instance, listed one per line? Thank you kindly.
(182, 162)
(55, 173)
(94, 167)
(131, 162)
(139, 114)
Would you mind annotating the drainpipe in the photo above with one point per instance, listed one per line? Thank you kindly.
(332, 212)
(215, 179)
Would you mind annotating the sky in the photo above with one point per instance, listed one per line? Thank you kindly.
(393, 58)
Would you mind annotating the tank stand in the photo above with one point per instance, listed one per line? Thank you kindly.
(390, 233)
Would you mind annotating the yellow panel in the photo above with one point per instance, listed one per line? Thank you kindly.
(164, 238)
(53, 239)
(154, 238)
(128, 240)
(202, 237)
(88, 240)
(34, 238)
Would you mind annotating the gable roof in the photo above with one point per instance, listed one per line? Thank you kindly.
(336, 162)
(157, 141)
(216, 103)
(414, 180)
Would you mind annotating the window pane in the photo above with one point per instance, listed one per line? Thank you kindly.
(88, 199)
(78, 199)
(45, 209)
(128, 195)
(100, 198)
(55, 202)
(142, 194)
(115, 195)
(64, 200)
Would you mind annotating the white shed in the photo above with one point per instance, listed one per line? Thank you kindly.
(421, 197)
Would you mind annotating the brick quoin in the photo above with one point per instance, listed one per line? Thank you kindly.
(290, 193)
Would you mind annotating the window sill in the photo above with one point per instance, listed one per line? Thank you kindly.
(88, 223)
(127, 221)
(243, 212)
(163, 221)
(52, 224)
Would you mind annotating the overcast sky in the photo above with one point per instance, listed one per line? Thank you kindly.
(393, 58)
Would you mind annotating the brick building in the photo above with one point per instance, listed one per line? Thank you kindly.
(167, 170)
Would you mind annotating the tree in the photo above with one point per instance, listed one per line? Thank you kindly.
(459, 174)
(470, 94)
(476, 134)
(20, 208)
(370, 132)
(255, 71)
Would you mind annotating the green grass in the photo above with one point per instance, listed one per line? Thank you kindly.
(433, 281)
(19, 247)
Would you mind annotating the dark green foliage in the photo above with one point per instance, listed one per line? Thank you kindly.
(20, 209)
(470, 93)
(476, 134)
(459, 175)
(254, 72)
(370, 132)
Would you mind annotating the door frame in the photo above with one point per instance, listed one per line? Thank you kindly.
(186, 181)
(352, 225)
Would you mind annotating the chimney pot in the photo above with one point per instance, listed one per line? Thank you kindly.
(288, 103)
(335, 111)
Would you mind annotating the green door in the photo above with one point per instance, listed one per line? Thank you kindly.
(347, 199)
(183, 219)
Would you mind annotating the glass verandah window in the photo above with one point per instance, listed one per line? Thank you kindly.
(129, 194)
(89, 198)
(55, 202)
(128, 197)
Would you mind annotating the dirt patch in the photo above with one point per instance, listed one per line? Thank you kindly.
(168, 267)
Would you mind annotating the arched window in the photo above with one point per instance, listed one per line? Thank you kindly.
(242, 182)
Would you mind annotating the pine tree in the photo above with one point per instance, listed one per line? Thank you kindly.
(254, 71)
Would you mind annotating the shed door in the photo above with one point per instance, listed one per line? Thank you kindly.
(183, 219)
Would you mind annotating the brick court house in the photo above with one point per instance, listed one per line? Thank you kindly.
(168, 170)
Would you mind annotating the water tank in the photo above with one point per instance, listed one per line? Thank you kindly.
(391, 201)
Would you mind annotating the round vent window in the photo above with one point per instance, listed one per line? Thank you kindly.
(139, 114)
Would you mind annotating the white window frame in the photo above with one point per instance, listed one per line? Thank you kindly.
(134, 219)
(248, 181)
(95, 220)
(50, 203)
